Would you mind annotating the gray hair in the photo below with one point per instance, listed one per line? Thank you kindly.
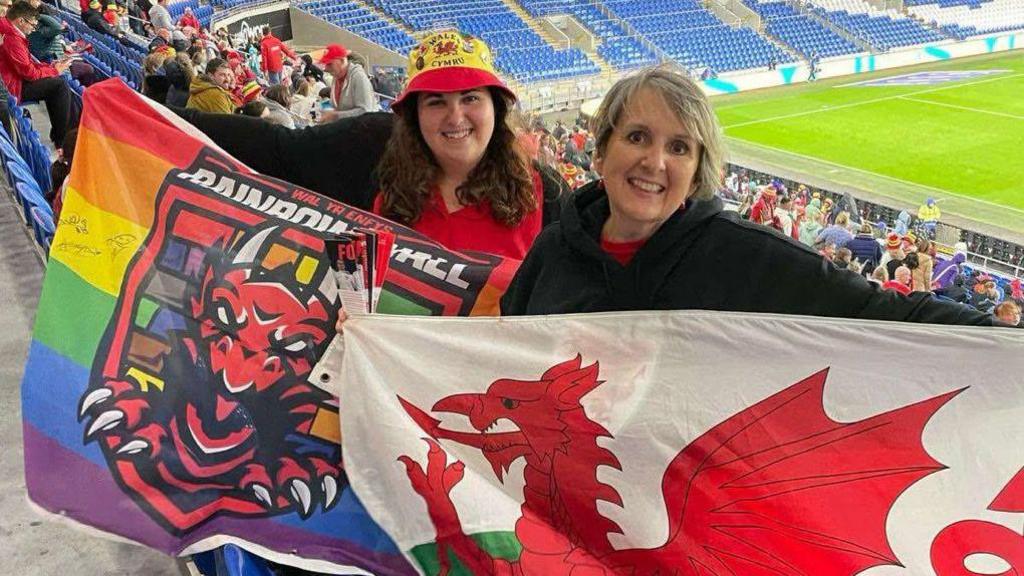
(690, 105)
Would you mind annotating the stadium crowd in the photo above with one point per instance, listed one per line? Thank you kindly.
(478, 196)
(623, 211)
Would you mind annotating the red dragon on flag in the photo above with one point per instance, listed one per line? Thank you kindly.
(776, 489)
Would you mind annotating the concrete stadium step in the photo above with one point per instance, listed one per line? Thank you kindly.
(384, 16)
(525, 16)
(864, 45)
(785, 46)
(607, 70)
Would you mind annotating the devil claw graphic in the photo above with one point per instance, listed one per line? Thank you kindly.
(92, 398)
(330, 488)
(301, 496)
(133, 447)
(262, 495)
(104, 421)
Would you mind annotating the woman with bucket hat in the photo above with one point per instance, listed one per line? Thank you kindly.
(451, 168)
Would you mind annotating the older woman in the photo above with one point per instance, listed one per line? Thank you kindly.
(651, 234)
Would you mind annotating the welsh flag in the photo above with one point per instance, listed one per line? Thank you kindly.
(687, 443)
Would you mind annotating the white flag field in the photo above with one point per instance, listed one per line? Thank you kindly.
(689, 443)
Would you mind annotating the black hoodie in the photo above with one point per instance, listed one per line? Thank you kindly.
(706, 259)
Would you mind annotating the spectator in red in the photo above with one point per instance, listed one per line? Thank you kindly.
(1017, 292)
(189, 20)
(579, 138)
(28, 79)
(900, 282)
(763, 211)
(272, 52)
(243, 74)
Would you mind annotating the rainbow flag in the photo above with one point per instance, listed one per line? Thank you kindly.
(167, 397)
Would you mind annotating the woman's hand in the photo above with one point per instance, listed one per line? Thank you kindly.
(342, 318)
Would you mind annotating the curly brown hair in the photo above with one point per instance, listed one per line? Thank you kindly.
(408, 170)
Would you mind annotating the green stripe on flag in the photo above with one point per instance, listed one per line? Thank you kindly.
(72, 314)
(497, 544)
(391, 303)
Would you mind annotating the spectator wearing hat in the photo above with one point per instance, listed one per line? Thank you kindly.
(211, 92)
(929, 215)
(351, 90)
(893, 253)
(865, 248)
(28, 79)
(763, 210)
(452, 169)
(93, 18)
(249, 91)
(342, 159)
(272, 53)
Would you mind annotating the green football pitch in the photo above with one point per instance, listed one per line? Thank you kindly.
(961, 141)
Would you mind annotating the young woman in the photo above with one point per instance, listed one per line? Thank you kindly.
(453, 169)
(449, 166)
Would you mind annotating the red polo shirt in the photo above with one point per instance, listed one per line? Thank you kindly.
(474, 227)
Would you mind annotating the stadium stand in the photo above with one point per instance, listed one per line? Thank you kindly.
(884, 30)
(519, 52)
(800, 31)
(359, 20)
(617, 46)
(965, 18)
(690, 34)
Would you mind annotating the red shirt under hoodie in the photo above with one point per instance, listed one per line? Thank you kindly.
(474, 227)
(17, 65)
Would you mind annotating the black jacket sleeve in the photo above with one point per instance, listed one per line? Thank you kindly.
(556, 191)
(337, 159)
(787, 278)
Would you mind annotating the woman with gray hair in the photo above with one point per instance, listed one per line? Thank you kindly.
(652, 235)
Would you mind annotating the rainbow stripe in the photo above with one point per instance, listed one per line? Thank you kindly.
(126, 149)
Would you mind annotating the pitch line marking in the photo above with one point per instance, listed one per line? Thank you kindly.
(884, 176)
(869, 101)
(967, 108)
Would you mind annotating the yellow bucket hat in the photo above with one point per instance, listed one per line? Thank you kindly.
(450, 61)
